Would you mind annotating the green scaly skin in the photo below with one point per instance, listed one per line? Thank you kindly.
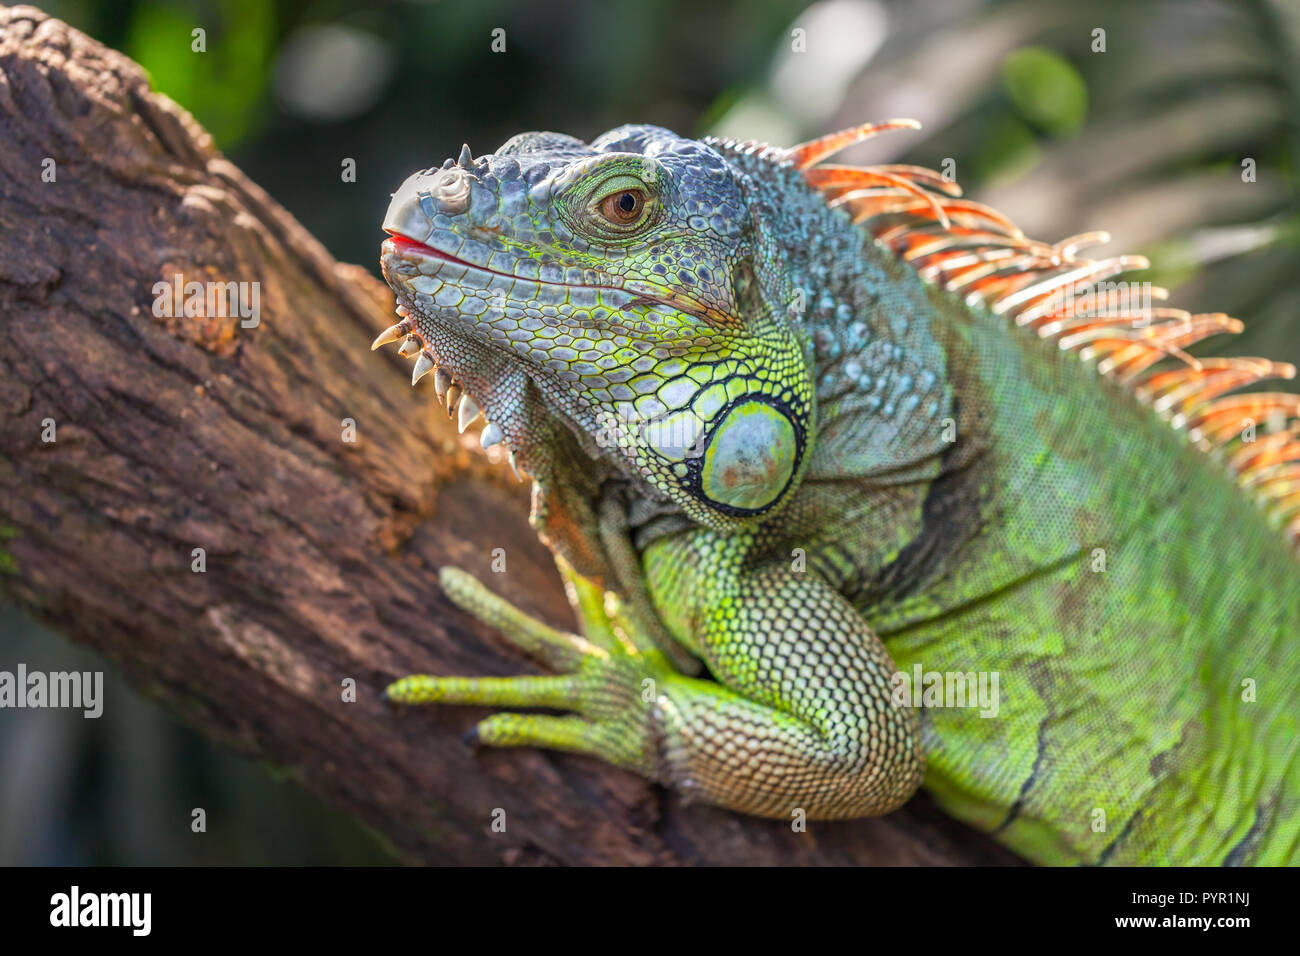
(738, 413)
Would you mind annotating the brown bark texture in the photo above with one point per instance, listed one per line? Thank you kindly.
(179, 433)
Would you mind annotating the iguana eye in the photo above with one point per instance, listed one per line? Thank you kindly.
(623, 208)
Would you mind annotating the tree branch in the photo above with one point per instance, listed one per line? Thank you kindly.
(179, 433)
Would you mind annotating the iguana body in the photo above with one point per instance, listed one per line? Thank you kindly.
(832, 462)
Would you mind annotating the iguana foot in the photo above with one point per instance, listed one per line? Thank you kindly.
(790, 736)
(610, 678)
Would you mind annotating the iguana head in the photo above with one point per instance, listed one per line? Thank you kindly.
(628, 289)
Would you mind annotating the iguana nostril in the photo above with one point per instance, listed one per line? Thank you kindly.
(450, 190)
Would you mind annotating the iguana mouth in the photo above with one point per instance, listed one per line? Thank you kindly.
(451, 390)
(398, 243)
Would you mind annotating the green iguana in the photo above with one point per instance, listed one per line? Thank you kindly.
(824, 430)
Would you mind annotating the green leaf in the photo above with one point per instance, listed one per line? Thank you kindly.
(1047, 91)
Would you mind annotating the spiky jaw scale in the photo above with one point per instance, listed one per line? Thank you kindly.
(452, 393)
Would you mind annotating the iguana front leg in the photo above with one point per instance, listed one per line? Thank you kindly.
(817, 729)
(800, 719)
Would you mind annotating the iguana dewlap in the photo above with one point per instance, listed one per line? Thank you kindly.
(828, 430)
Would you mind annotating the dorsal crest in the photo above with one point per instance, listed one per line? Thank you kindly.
(1050, 290)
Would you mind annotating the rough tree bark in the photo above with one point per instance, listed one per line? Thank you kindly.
(181, 433)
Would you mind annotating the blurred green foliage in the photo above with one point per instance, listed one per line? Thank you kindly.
(223, 86)
(1046, 89)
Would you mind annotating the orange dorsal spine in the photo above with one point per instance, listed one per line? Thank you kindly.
(1047, 289)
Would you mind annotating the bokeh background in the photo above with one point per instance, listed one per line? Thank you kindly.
(1146, 140)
